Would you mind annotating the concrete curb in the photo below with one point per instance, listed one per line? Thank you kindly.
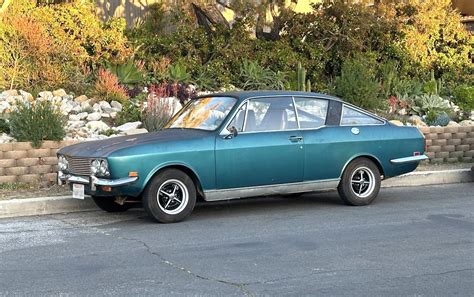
(62, 204)
(425, 178)
(43, 206)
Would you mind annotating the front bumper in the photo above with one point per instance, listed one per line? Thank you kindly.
(93, 181)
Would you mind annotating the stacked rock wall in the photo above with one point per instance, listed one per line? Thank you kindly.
(449, 144)
(20, 162)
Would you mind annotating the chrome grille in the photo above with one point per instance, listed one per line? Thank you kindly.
(79, 165)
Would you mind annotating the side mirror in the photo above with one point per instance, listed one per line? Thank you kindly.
(233, 132)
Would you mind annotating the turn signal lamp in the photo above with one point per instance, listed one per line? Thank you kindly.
(133, 174)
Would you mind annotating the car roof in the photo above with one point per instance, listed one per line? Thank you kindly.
(242, 95)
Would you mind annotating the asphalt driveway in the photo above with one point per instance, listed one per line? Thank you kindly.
(410, 242)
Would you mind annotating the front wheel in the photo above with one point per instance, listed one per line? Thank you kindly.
(360, 182)
(170, 196)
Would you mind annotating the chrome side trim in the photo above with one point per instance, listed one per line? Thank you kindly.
(409, 159)
(301, 187)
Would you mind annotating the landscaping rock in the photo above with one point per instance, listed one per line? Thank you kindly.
(59, 93)
(75, 124)
(104, 105)
(81, 99)
(129, 126)
(97, 126)
(95, 116)
(417, 121)
(9, 93)
(82, 115)
(86, 104)
(4, 107)
(4, 138)
(116, 105)
(453, 124)
(113, 115)
(45, 95)
(396, 122)
(136, 131)
(27, 96)
(66, 108)
(467, 123)
(74, 117)
(96, 107)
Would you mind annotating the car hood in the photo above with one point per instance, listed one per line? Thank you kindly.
(103, 148)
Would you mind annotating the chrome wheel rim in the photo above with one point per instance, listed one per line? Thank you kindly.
(172, 196)
(362, 182)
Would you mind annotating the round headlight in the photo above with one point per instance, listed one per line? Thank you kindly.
(62, 163)
(95, 167)
(104, 168)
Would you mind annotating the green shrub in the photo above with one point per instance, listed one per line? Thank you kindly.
(357, 83)
(4, 126)
(36, 122)
(130, 113)
(464, 97)
(255, 77)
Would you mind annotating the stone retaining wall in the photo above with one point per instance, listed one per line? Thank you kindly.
(449, 144)
(19, 162)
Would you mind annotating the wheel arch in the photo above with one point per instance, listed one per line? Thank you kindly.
(367, 156)
(182, 167)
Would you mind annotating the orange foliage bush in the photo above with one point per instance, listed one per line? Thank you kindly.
(51, 46)
(107, 87)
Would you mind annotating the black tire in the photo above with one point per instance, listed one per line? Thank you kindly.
(360, 182)
(164, 197)
(109, 205)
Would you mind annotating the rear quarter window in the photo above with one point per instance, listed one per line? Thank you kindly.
(351, 116)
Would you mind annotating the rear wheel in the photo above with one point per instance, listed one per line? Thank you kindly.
(170, 196)
(108, 204)
(360, 182)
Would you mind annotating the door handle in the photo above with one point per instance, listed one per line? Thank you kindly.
(295, 138)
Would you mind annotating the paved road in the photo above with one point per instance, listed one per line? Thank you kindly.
(410, 242)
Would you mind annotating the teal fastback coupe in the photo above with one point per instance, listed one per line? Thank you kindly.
(243, 144)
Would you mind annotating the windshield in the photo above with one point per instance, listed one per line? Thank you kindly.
(205, 113)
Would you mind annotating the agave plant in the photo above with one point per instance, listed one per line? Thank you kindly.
(128, 74)
(178, 73)
(426, 103)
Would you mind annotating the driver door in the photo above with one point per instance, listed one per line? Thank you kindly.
(267, 150)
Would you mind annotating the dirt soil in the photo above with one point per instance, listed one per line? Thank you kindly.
(32, 191)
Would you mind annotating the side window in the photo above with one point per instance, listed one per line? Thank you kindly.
(239, 118)
(351, 116)
(270, 114)
(311, 112)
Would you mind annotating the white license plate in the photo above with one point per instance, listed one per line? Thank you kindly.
(78, 191)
